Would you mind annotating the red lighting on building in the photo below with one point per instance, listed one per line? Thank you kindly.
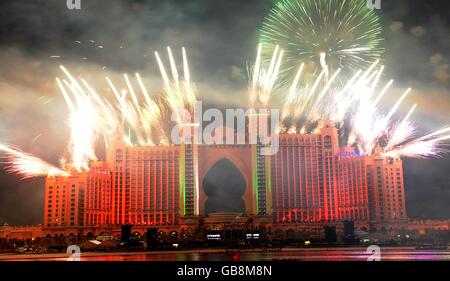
(310, 180)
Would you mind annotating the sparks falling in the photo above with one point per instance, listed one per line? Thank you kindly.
(264, 78)
(93, 117)
(351, 106)
(139, 118)
(28, 166)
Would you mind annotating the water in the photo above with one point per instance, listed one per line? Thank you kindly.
(329, 254)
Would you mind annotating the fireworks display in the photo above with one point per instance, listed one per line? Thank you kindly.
(323, 34)
(27, 166)
(324, 54)
(93, 117)
(264, 79)
(352, 106)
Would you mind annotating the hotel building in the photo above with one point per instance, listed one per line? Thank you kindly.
(311, 180)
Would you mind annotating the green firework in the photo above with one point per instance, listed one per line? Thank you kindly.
(346, 33)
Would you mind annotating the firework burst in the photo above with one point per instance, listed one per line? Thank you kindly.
(27, 166)
(324, 34)
(93, 117)
(352, 106)
(355, 104)
(264, 78)
(179, 93)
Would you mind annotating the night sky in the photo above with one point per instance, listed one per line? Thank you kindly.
(221, 38)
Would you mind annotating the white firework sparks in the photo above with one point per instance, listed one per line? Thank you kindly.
(92, 117)
(27, 166)
(352, 106)
(264, 79)
(355, 103)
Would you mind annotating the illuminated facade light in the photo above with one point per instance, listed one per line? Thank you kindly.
(310, 180)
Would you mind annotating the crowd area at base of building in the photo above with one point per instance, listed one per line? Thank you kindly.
(37, 239)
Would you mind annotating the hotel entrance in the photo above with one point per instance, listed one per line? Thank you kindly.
(224, 186)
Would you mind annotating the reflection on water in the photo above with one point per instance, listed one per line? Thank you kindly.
(286, 254)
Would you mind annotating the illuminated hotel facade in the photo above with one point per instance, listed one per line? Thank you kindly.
(311, 180)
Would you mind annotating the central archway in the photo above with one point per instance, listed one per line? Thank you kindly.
(224, 186)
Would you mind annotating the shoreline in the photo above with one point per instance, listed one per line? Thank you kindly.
(14, 256)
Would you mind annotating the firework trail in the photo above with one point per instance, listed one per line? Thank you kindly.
(431, 145)
(263, 79)
(93, 117)
(27, 166)
(83, 122)
(355, 103)
(179, 94)
(371, 131)
(324, 34)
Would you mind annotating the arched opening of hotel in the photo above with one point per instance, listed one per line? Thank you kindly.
(224, 186)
